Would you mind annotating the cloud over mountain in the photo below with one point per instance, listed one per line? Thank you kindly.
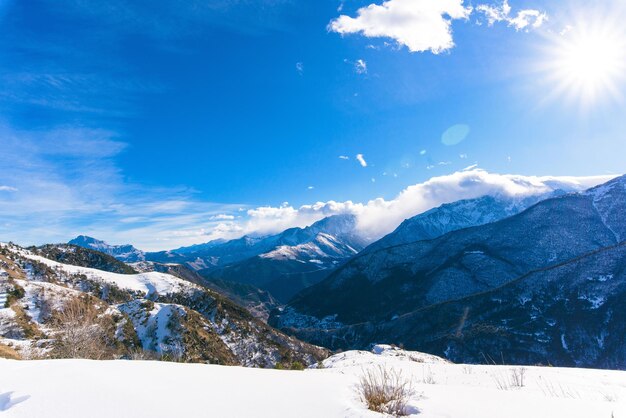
(378, 217)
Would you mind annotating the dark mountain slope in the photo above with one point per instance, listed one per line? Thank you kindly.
(402, 278)
(569, 314)
(84, 257)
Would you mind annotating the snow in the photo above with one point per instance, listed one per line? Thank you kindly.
(152, 327)
(99, 389)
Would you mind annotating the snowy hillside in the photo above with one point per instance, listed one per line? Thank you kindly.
(99, 389)
(149, 314)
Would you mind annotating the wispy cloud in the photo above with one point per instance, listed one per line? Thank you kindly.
(300, 68)
(222, 217)
(361, 160)
(7, 189)
(344, 157)
(69, 184)
(360, 66)
(524, 19)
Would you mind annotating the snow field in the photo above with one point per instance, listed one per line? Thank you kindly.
(78, 388)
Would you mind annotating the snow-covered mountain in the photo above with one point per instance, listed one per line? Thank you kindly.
(458, 215)
(297, 258)
(126, 253)
(334, 237)
(151, 313)
(283, 263)
(423, 293)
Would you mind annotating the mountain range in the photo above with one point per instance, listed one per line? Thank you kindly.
(496, 277)
(282, 264)
(478, 291)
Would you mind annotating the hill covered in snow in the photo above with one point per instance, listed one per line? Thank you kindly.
(437, 389)
(150, 314)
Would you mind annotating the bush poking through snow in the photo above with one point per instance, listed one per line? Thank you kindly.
(516, 379)
(80, 331)
(385, 390)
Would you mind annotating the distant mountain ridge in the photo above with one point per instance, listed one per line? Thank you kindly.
(297, 258)
(282, 264)
(126, 253)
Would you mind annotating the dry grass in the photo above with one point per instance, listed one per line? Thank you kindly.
(8, 352)
(81, 333)
(385, 390)
(515, 379)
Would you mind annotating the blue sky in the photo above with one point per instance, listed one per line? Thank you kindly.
(166, 123)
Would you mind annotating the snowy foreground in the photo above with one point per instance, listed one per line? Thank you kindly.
(82, 388)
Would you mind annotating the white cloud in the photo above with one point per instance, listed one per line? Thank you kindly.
(423, 152)
(360, 66)
(420, 25)
(378, 217)
(310, 187)
(524, 19)
(361, 160)
(344, 157)
(300, 68)
(463, 156)
(7, 189)
(426, 25)
(471, 167)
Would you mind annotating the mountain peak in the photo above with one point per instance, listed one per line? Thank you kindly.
(85, 239)
(126, 253)
(335, 225)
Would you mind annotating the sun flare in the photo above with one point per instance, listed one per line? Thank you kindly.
(587, 62)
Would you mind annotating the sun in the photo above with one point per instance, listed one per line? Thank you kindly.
(586, 63)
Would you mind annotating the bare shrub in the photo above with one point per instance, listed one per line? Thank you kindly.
(609, 397)
(428, 376)
(80, 332)
(141, 354)
(549, 389)
(385, 390)
(515, 379)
